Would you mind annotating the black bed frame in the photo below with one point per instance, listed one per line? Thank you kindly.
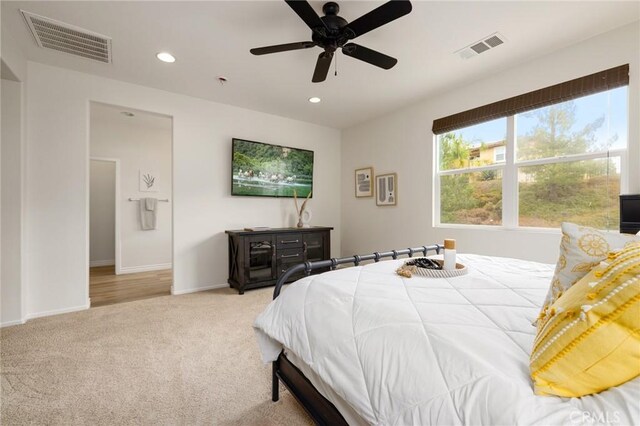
(321, 410)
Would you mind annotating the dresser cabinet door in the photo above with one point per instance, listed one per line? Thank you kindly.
(260, 259)
(314, 246)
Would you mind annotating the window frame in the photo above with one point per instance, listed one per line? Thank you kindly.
(510, 183)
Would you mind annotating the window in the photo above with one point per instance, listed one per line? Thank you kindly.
(561, 162)
(470, 175)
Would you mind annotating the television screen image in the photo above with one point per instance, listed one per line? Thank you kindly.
(265, 170)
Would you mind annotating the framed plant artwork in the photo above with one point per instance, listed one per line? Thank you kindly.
(148, 181)
(364, 182)
(387, 189)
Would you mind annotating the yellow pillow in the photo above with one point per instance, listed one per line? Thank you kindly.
(581, 249)
(588, 340)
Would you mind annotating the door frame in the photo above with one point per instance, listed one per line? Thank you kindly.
(89, 102)
(117, 254)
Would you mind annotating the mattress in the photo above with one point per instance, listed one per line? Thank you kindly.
(429, 351)
(349, 414)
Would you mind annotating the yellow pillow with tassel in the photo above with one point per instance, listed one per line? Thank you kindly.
(588, 339)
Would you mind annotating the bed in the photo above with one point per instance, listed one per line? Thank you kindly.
(363, 345)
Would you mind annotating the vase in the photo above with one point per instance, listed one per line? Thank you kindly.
(303, 219)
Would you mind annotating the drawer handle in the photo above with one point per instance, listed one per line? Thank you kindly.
(284, 256)
(289, 242)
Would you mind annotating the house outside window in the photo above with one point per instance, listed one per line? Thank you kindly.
(563, 162)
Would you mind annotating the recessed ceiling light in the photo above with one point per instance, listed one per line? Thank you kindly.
(127, 113)
(166, 57)
(314, 100)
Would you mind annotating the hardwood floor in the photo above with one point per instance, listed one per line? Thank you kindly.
(107, 288)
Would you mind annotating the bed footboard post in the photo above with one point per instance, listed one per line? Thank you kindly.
(275, 385)
(334, 263)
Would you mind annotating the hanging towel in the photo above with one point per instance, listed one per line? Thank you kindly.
(148, 213)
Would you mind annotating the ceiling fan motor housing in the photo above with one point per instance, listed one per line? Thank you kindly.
(332, 36)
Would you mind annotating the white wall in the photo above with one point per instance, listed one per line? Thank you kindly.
(102, 217)
(13, 57)
(403, 142)
(142, 142)
(58, 167)
(11, 301)
(13, 279)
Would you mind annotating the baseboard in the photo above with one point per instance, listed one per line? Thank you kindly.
(95, 263)
(14, 322)
(144, 268)
(58, 311)
(198, 289)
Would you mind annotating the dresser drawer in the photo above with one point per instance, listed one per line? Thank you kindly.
(292, 255)
(285, 241)
(283, 268)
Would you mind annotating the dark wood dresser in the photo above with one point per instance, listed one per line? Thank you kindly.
(258, 258)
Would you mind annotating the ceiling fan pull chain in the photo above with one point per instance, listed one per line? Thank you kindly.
(336, 66)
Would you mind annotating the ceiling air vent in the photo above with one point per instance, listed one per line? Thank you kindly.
(481, 46)
(67, 38)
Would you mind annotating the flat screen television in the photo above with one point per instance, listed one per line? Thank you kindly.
(265, 170)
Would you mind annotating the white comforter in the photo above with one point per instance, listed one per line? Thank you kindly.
(431, 351)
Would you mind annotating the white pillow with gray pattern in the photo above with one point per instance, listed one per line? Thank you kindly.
(581, 249)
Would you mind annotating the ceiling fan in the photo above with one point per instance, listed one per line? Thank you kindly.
(332, 32)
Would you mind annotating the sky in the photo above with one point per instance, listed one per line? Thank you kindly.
(612, 104)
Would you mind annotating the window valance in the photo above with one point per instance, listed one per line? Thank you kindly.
(572, 89)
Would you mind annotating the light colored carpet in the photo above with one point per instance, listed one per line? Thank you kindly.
(190, 359)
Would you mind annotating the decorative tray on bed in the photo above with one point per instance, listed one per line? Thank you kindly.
(430, 268)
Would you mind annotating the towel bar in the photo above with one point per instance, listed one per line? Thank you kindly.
(166, 200)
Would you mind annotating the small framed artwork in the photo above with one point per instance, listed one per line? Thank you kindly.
(148, 181)
(364, 182)
(387, 189)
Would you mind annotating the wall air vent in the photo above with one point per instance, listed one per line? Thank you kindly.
(481, 46)
(56, 35)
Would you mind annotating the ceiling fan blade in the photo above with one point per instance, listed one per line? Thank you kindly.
(322, 67)
(306, 12)
(282, 47)
(378, 17)
(370, 56)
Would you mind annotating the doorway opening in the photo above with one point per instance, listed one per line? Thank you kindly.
(130, 205)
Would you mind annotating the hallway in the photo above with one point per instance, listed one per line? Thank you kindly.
(107, 288)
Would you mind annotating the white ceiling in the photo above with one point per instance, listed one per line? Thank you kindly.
(213, 38)
(114, 114)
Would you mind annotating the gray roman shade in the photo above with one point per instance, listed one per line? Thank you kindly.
(572, 89)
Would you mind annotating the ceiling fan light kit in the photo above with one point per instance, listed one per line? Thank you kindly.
(332, 32)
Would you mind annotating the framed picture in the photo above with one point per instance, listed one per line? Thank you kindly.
(387, 189)
(364, 182)
(148, 181)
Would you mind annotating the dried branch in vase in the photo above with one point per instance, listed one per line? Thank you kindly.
(303, 221)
